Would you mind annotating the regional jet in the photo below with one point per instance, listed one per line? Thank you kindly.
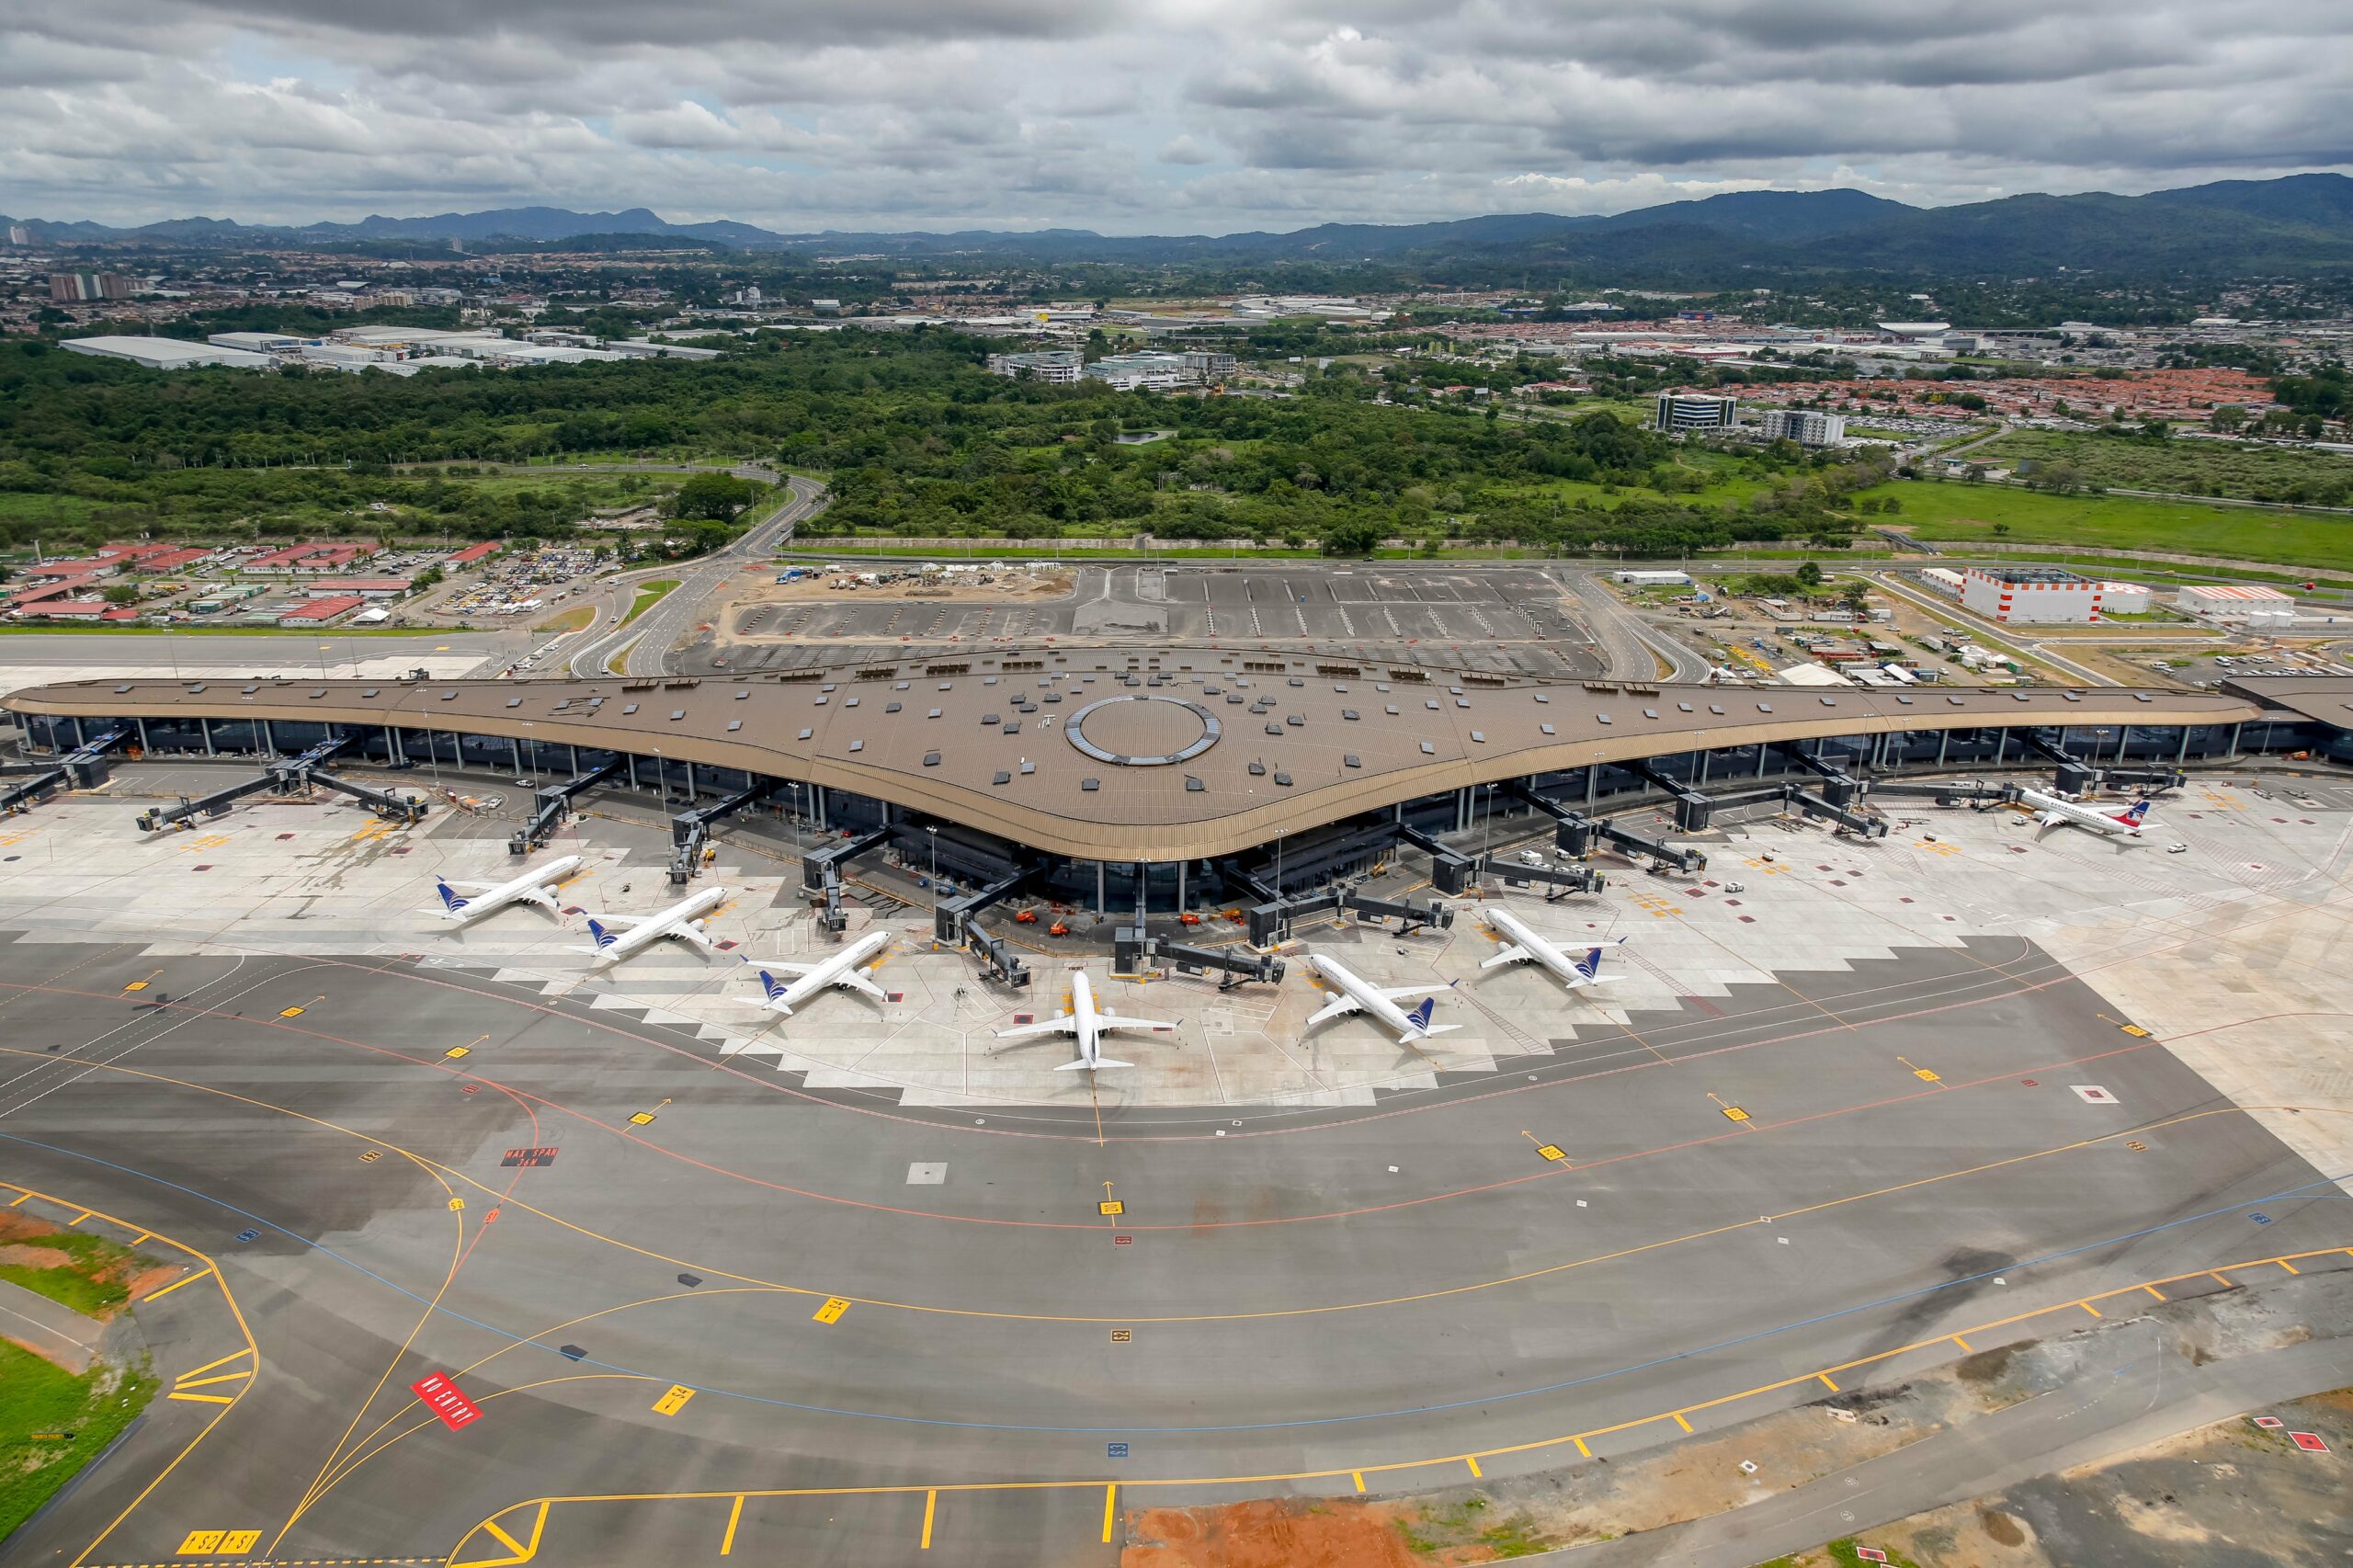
(683, 920)
(1359, 995)
(1087, 1024)
(806, 980)
(2053, 810)
(1574, 971)
(465, 902)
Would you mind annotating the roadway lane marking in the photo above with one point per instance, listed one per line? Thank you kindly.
(832, 1311)
(735, 1517)
(1358, 1476)
(930, 1507)
(175, 1284)
(675, 1401)
(1110, 1508)
(1472, 1461)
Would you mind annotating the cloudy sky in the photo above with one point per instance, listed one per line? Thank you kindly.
(1141, 116)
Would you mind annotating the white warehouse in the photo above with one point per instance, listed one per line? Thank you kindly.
(2030, 595)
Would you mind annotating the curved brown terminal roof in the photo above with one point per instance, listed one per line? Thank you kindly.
(1299, 745)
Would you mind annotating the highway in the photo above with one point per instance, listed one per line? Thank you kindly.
(641, 644)
(1629, 642)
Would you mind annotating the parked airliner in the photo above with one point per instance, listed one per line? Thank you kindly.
(806, 980)
(1359, 996)
(464, 901)
(682, 920)
(1087, 1024)
(2054, 811)
(1575, 971)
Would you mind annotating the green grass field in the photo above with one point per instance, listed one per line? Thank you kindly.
(648, 596)
(1942, 512)
(39, 1397)
(2188, 467)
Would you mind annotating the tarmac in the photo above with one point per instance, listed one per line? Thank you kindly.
(868, 1287)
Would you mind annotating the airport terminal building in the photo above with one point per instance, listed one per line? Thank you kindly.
(1141, 782)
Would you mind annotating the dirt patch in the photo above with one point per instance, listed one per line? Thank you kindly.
(1999, 1528)
(1297, 1533)
(1986, 1366)
(78, 1269)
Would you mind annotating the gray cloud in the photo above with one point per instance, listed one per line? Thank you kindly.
(1150, 117)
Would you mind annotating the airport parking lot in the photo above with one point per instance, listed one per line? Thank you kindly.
(1492, 617)
(858, 1237)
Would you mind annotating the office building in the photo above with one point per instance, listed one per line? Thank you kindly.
(1806, 426)
(1680, 412)
(1060, 366)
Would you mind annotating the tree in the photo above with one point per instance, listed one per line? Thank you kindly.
(2229, 416)
(1855, 597)
(121, 594)
(1809, 575)
(714, 497)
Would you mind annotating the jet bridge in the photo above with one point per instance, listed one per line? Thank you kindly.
(691, 831)
(821, 874)
(83, 766)
(288, 776)
(1693, 809)
(952, 922)
(1574, 833)
(554, 805)
(1839, 787)
(1452, 872)
(1558, 881)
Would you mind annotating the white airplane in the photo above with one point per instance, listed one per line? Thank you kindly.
(1359, 995)
(2051, 810)
(681, 920)
(465, 902)
(1088, 1024)
(805, 981)
(1576, 971)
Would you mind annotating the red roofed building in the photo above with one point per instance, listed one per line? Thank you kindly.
(65, 571)
(65, 590)
(169, 560)
(318, 612)
(474, 552)
(78, 609)
(366, 588)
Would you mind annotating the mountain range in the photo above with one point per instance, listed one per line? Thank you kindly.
(2295, 223)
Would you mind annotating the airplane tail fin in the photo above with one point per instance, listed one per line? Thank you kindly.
(604, 937)
(2139, 811)
(1590, 965)
(450, 899)
(1420, 1017)
(774, 990)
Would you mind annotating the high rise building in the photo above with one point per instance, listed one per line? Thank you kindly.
(1806, 426)
(78, 288)
(1680, 411)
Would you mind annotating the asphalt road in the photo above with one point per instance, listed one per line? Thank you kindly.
(1303, 1295)
(648, 640)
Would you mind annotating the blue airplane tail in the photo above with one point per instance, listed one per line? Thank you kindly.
(2140, 809)
(449, 898)
(1420, 1017)
(768, 983)
(604, 937)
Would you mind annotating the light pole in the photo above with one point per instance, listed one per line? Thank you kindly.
(931, 848)
(792, 788)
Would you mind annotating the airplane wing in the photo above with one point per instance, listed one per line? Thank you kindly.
(790, 970)
(1338, 1006)
(694, 939)
(2051, 819)
(857, 981)
(1114, 1021)
(471, 887)
(619, 921)
(1512, 954)
(1063, 1025)
(1399, 993)
(541, 897)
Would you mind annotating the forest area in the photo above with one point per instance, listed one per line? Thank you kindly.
(912, 435)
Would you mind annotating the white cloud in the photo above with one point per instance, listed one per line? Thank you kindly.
(1209, 115)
